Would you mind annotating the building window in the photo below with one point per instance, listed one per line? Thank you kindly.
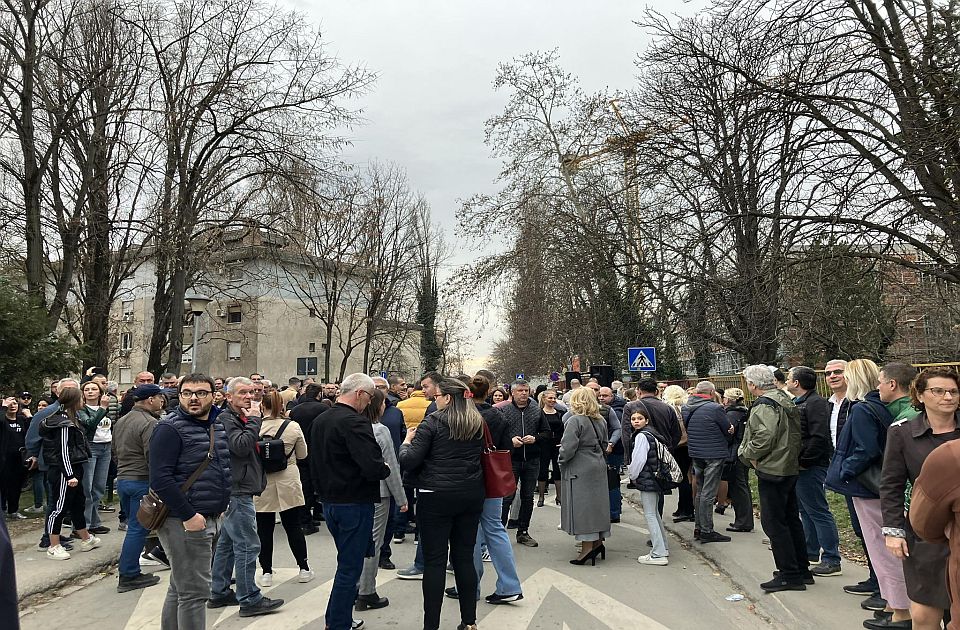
(311, 276)
(234, 315)
(233, 351)
(313, 312)
(126, 341)
(307, 366)
(234, 273)
(126, 375)
(127, 307)
(187, 356)
(312, 348)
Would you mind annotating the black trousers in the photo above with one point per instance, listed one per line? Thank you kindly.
(549, 452)
(780, 517)
(9, 613)
(738, 489)
(65, 499)
(11, 484)
(526, 473)
(449, 518)
(685, 489)
(290, 519)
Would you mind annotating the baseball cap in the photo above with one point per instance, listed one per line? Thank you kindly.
(26, 395)
(142, 392)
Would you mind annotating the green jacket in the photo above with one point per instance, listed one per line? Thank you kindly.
(772, 435)
(901, 408)
(90, 419)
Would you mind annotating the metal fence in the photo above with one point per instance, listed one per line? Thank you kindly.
(723, 381)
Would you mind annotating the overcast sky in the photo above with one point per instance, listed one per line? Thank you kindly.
(436, 60)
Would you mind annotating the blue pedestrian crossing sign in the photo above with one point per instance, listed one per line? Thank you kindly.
(642, 359)
(520, 376)
(383, 374)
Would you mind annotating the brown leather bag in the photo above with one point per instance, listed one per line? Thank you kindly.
(498, 479)
(152, 511)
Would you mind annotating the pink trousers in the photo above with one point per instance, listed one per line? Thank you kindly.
(889, 568)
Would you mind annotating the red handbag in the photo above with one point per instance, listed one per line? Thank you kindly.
(498, 478)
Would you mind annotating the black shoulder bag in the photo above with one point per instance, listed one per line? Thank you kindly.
(613, 473)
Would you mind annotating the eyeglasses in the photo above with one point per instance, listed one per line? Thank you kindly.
(381, 387)
(940, 392)
(833, 373)
(200, 395)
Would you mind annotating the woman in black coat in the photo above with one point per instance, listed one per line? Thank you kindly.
(442, 460)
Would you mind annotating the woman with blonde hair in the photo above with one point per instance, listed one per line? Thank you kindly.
(585, 509)
(677, 397)
(855, 472)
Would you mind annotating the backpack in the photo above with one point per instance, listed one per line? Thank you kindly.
(271, 451)
(668, 473)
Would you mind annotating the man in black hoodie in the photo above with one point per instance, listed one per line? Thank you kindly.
(305, 414)
(816, 448)
(239, 544)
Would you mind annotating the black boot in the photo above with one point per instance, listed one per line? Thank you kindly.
(370, 602)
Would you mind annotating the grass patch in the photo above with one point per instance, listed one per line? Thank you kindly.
(850, 546)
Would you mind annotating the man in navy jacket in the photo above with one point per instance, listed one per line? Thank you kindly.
(708, 440)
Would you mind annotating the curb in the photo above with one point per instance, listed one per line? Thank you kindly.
(69, 579)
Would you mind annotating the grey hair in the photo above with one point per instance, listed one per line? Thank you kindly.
(356, 381)
(840, 361)
(69, 379)
(236, 382)
(760, 375)
(379, 380)
(706, 387)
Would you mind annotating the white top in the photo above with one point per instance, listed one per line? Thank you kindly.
(835, 403)
(104, 433)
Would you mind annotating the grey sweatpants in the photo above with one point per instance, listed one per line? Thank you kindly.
(189, 552)
(368, 579)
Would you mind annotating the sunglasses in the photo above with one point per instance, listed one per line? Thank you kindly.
(833, 373)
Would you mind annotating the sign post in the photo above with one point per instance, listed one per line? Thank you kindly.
(642, 359)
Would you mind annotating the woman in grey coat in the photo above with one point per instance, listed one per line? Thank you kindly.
(585, 510)
(368, 599)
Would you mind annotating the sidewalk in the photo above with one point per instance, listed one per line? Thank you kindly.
(37, 574)
(748, 562)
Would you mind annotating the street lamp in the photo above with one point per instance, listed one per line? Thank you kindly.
(196, 304)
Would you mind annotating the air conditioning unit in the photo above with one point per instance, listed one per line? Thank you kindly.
(125, 352)
(221, 312)
(128, 317)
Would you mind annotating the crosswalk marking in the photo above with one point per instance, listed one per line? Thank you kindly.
(606, 610)
(635, 528)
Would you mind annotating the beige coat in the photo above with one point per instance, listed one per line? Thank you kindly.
(283, 490)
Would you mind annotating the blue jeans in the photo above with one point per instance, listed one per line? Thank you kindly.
(38, 488)
(130, 494)
(494, 534)
(351, 525)
(616, 496)
(237, 548)
(95, 480)
(819, 527)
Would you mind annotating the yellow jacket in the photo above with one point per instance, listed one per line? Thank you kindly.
(414, 409)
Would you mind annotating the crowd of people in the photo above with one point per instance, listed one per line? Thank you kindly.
(213, 464)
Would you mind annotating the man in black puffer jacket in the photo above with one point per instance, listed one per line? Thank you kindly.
(528, 429)
(709, 433)
(816, 448)
(178, 447)
(239, 544)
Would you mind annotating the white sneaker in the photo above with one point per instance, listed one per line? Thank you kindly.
(306, 575)
(266, 579)
(89, 544)
(34, 510)
(17, 516)
(149, 562)
(485, 556)
(649, 559)
(58, 553)
(357, 623)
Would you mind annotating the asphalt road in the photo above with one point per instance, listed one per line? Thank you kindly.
(617, 593)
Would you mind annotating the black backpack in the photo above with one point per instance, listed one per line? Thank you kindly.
(271, 451)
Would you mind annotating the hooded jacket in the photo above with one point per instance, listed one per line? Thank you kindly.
(64, 443)
(772, 435)
(859, 446)
(816, 447)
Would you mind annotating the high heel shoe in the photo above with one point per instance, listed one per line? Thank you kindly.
(540, 502)
(603, 552)
(591, 556)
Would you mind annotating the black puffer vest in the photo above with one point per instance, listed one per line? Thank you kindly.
(647, 481)
(210, 494)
